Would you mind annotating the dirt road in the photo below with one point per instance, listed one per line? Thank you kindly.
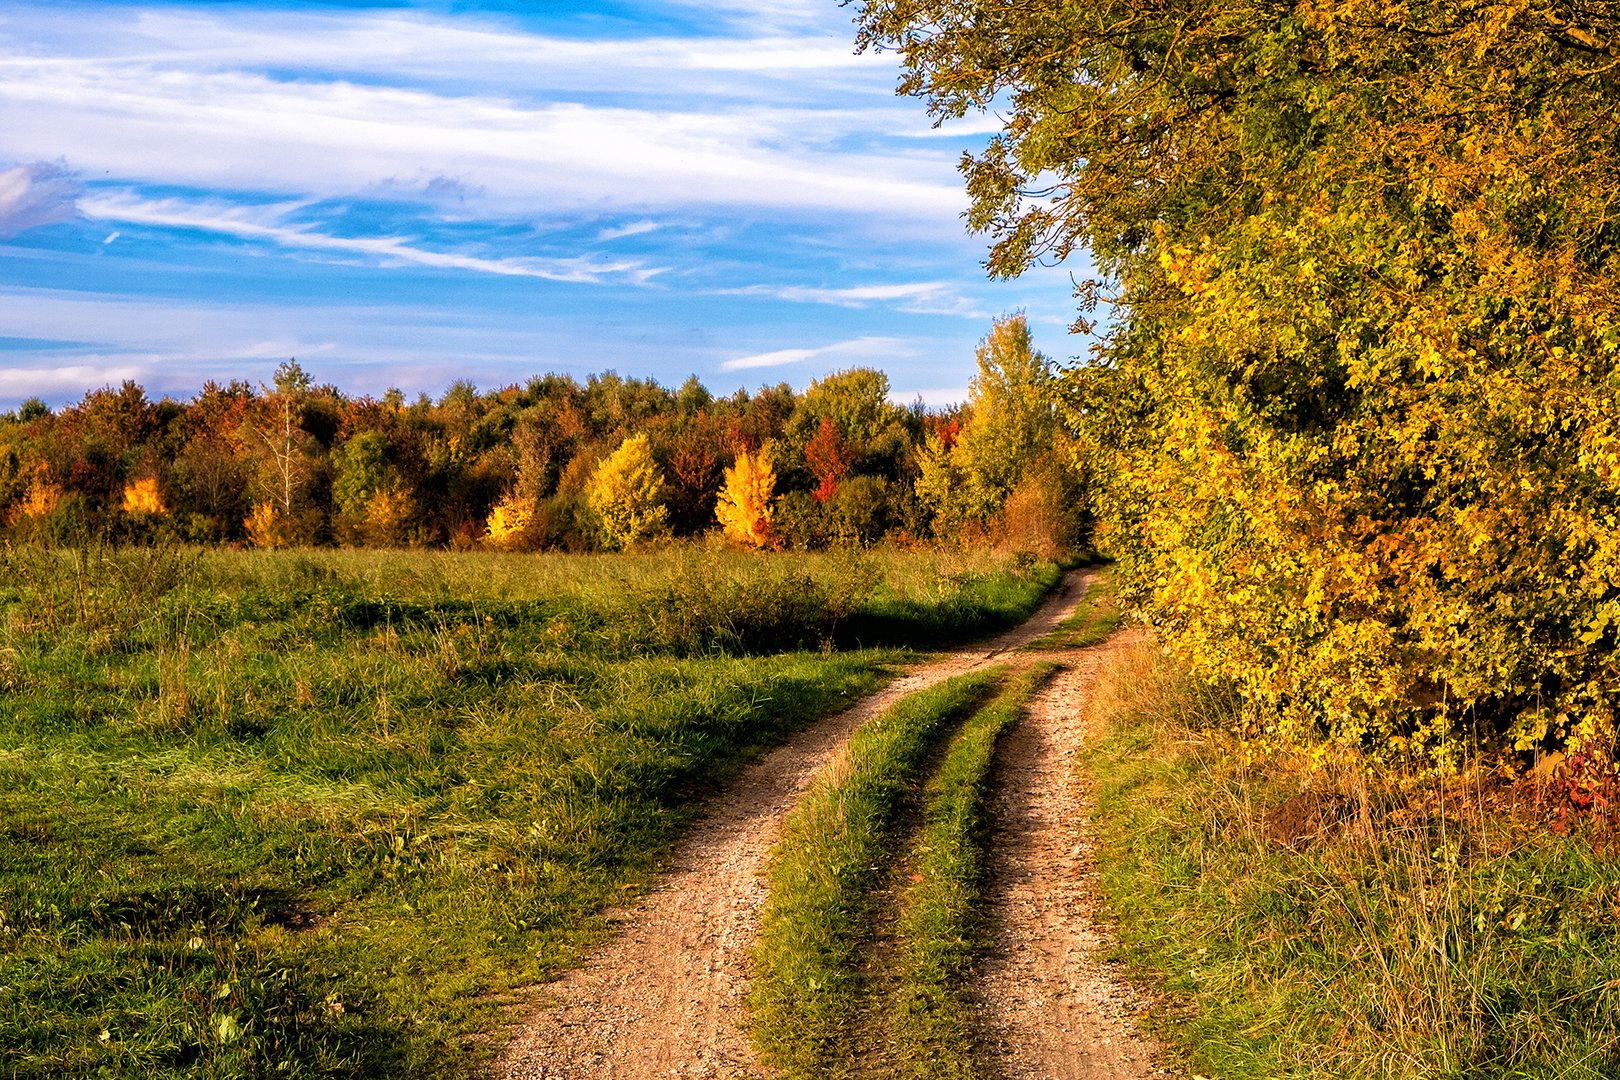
(665, 997)
(1050, 1007)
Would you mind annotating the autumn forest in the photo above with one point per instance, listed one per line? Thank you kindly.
(611, 465)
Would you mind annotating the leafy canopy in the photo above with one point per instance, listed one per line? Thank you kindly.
(744, 508)
(1356, 423)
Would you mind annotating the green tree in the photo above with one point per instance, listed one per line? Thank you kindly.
(626, 494)
(362, 470)
(855, 401)
(1011, 426)
(1356, 422)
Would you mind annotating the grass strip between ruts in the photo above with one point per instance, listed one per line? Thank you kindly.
(940, 925)
(1095, 618)
(807, 987)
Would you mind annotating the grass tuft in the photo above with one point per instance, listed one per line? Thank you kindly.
(1095, 618)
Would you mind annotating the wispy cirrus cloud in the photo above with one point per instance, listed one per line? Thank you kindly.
(20, 382)
(861, 348)
(330, 104)
(629, 229)
(917, 298)
(35, 195)
(254, 133)
(268, 223)
(387, 42)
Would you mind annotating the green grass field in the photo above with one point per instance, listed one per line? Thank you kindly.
(322, 813)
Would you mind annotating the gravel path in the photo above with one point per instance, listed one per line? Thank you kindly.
(665, 997)
(1051, 1009)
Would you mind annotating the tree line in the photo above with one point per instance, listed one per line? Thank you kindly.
(609, 464)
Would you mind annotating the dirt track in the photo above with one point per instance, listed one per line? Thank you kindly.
(665, 997)
(1051, 1009)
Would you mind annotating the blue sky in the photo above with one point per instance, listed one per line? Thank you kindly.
(411, 193)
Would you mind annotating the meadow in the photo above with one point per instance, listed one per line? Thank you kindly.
(328, 813)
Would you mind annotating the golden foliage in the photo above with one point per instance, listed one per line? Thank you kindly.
(266, 526)
(509, 521)
(744, 508)
(1356, 424)
(39, 501)
(626, 493)
(143, 499)
(388, 515)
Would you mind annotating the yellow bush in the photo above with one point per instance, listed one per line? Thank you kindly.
(509, 522)
(744, 509)
(41, 500)
(627, 493)
(265, 526)
(143, 499)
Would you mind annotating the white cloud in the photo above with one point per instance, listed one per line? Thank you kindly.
(778, 358)
(20, 383)
(266, 223)
(252, 133)
(35, 195)
(634, 228)
(386, 42)
(173, 345)
(861, 348)
(932, 396)
(918, 298)
(536, 123)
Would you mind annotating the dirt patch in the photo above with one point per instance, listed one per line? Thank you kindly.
(1051, 1007)
(665, 997)
(1306, 818)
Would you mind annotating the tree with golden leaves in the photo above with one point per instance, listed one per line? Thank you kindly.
(744, 508)
(1355, 420)
(627, 494)
(143, 499)
(509, 521)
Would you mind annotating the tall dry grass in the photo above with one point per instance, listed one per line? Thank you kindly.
(1323, 918)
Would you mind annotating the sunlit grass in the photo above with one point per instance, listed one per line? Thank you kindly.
(322, 813)
(809, 990)
(889, 842)
(1403, 928)
(928, 1013)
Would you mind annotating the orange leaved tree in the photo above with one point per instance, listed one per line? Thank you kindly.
(744, 508)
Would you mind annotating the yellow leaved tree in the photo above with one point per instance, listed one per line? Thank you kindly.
(40, 500)
(627, 494)
(143, 499)
(744, 508)
(509, 521)
(266, 527)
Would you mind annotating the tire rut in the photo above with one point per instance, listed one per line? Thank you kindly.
(1049, 1007)
(665, 997)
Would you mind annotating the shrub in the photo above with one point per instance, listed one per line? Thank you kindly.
(627, 494)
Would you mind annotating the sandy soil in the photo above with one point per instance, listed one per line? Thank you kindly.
(665, 997)
(1051, 1008)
